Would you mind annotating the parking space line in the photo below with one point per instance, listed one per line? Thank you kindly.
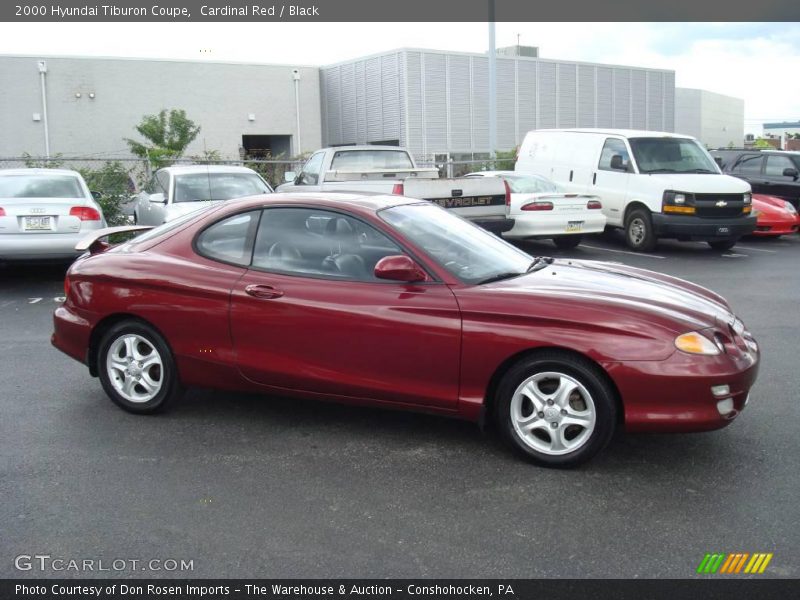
(622, 251)
(756, 249)
(735, 255)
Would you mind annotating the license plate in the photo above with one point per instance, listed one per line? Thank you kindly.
(573, 226)
(37, 223)
(723, 231)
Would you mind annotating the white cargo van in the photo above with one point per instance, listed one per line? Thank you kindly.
(652, 184)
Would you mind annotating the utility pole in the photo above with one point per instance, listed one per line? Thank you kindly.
(42, 65)
(492, 86)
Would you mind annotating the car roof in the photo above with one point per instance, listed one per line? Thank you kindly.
(359, 203)
(39, 171)
(188, 169)
(367, 147)
(505, 174)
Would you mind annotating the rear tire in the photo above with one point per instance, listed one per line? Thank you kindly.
(556, 409)
(723, 245)
(567, 242)
(639, 234)
(136, 368)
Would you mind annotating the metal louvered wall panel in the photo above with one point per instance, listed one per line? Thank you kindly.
(348, 102)
(526, 84)
(480, 103)
(622, 98)
(638, 99)
(567, 95)
(655, 100)
(605, 97)
(435, 101)
(547, 95)
(414, 103)
(334, 89)
(362, 111)
(390, 97)
(372, 73)
(669, 101)
(506, 104)
(460, 110)
(586, 94)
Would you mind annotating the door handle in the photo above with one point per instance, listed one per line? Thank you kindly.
(265, 292)
(594, 179)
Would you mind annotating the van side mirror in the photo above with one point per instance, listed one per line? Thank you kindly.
(789, 172)
(96, 195)
(399, 268)
(718, 160)
(158, 198)
(618, 163)
(289, 176)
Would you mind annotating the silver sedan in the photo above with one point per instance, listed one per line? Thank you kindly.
(44, 213)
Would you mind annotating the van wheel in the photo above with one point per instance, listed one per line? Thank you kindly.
(723, 245)
(567, 242)
(639, 234)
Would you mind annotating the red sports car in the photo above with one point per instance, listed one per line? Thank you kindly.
(389, 301)
(775, 216)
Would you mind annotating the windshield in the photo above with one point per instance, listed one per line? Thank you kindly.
(40, 186)
(530, 184)
(671, 155)
(470, 253)
(198, 187)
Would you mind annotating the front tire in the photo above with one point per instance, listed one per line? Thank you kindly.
(639, 233)
(136, 368)
(723, 245)
(567, 242)
(556, 409)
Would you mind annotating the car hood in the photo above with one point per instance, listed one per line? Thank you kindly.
(633, 295)
(771, 206)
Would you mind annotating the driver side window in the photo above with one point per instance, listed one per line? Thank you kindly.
(611, 148)
(310, 173)
(318, 243)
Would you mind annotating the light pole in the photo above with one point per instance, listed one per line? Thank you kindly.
(42, 65)
(492, 86)
(296, 76)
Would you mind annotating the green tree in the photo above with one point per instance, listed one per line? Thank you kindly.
(167, 135)
(761, 143)
(112, 181)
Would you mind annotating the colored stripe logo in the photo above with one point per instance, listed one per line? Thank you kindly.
(734, 563)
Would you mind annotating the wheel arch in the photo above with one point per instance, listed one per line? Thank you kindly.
(632, 206)
(104, 325)
(494, 382)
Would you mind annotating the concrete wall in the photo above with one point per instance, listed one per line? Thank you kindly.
(437, 102)
(217, 96)
(714, 119)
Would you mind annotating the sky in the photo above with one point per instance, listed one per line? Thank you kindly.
(758, 62)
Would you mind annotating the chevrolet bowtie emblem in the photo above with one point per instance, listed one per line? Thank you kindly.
(721, 203)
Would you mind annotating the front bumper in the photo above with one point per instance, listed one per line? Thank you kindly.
(674, 395)
(496, 225)
(702, 229)
(767, 227)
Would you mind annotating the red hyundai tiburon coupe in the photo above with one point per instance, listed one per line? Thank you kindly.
(389, 301)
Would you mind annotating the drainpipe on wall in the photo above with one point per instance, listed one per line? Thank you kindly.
(42, 74)
(296, 76)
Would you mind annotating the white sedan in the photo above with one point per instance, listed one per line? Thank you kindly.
(541, 210)
(176, 191)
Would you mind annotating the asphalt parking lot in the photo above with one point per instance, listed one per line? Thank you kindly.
(248, 486)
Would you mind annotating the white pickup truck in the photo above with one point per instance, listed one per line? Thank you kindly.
(391, 170)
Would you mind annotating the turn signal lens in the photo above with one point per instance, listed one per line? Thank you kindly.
(397, 189)
(685, 210)
(538, 206)
(593, 204)
(84, 213)
(696, 343)
(2, 212)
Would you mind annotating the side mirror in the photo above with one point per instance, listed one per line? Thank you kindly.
(618, 163)
(399, 268)
(96, 195)
(789, 172)
(718, 160)
(289, 176)
(158, 198)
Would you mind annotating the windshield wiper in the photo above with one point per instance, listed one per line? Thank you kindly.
(660, 171)
(699, 171)
(499, 277)
(539, 263)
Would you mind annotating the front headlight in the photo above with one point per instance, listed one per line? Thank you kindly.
(696, 343)
(790, 207)
(748, 198)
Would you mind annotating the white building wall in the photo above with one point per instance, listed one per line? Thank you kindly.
(714, 119)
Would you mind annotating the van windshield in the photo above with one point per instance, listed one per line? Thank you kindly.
(671, 155)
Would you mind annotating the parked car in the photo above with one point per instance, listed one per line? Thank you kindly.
(392, 170)
(771, 172)
(540, 209)
(776, 217)
(396, 302)
(175, 191)
(652, 184)
(44, 213)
